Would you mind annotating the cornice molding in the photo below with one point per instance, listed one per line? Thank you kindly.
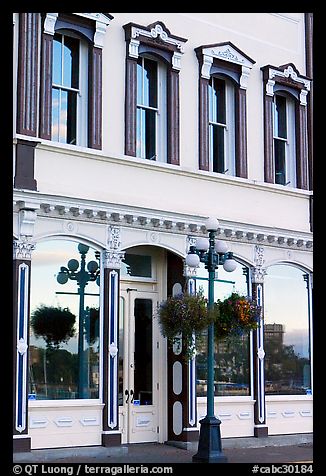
(142, 218)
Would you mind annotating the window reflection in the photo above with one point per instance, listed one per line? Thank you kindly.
(231, 356)
(286, 331)
(64, 324)
(65, 88)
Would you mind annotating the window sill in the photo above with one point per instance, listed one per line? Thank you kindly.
(87, 402)
(128, 160)
(287, 398)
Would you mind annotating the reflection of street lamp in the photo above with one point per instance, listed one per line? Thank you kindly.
(213, 253)
(82, 277)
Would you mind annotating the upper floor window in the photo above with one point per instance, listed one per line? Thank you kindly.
(224, 71)
(153, 63)
(284, 140)
(221, 126)
(71, 78)
(69, 90)
(285, 126)
(151, 110)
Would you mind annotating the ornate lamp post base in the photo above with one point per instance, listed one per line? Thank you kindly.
(209, 446)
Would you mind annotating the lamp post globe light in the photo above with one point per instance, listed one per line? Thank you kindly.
(82, 276)
(213, 253)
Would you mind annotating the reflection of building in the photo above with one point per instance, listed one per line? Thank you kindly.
(114, 151)
(274, 332)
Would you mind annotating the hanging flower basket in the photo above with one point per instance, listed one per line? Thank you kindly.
(184, 316)
(237, 315)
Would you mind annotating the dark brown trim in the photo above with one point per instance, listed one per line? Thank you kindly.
(95, 99)
(24, 169)
(46, 87)
(130, 106)
(175, 275)
(203, 124)
(309, 71)
(241, 167)
(106, 339)
(173, 117)
(269, 168)
(302, 147)
(260, 427)
(21, 445)
(27, 83)
(111, 440)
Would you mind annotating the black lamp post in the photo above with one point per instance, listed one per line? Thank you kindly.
(213, 253)
(82, 277)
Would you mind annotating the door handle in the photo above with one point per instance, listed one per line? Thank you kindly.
(132, 396)
(127, 394)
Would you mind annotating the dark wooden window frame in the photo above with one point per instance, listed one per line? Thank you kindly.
(87, 28)
(157, 40)
(288, 78)
(227, 59)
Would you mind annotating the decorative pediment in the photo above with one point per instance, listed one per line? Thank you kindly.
(287, 74)
(227, 52)
(101, 20)
(155, 35)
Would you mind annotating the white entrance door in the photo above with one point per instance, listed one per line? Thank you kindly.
(138, 366)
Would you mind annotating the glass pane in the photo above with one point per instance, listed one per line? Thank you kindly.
(56, 59)
(150, 135)
(279, 152)
(217, 147)
(71, 62)
(232, 357)
(140, 71)
(287, 343)
(63, 116)
(280, 117)
(64, 325)
(137, 265)
(143, 365)
(146, 134)
(55, 114)
(121, 350)
(217, 101)
(72, 118)
(150, 83)
(140, 133)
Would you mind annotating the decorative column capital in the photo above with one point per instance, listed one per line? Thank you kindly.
(113, 255)
(258, 271)
(22, 249)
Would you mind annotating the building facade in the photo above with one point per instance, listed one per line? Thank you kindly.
(130, 129)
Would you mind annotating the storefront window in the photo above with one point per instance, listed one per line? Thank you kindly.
(286, 331)
(232, 356)
(64, 322)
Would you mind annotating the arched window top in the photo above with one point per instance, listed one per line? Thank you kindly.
(91, 26)
(287, 77)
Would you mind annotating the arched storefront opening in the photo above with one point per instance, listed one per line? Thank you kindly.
(233, 357)
(287, 330)
(64, 384)
(64, 323)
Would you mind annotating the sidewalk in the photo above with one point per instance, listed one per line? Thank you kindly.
(272, 449)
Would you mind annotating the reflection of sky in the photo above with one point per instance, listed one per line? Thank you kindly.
(286, 302)
(236, 281)
(48, 257)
